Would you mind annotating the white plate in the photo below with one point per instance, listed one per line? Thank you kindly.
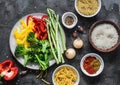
(13, 44)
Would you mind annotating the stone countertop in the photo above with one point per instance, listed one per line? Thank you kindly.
(12, 10)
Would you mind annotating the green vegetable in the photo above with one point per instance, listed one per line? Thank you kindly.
(39, 52)
(54, 30)
(21, 51)
(31, 38)
(42, 51)
(51, 45)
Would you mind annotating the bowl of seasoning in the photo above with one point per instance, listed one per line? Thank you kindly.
(87, 8)
(69, 20)
(92, 64)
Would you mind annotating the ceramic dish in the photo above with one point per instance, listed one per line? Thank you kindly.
(12, 44)
(98, 58)
(66, 65)
(69, 20)
(101, 23)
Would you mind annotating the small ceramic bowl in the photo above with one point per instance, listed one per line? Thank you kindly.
(98, 58)
(88, 16)
(100, 23)
(66, 65)
(69, 20)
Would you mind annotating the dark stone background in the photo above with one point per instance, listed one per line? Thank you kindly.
(12, 10)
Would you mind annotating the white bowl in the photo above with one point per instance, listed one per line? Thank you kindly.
(71, 15)
(97, 57)
(78, 80)
(88, 16)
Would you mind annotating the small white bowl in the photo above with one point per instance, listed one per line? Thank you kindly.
(88, 16)
(66, 14)
(97, 57)
(78, 80)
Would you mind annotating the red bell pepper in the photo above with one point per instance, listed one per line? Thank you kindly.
(44, 17)
(28, 18)
(40, 27)
(8, 70)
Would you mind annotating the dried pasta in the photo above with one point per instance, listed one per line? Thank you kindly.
(87, 7)
(65, 76)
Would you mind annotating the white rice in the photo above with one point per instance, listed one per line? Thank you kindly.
(104, 36)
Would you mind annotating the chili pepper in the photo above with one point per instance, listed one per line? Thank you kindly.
(8, 70)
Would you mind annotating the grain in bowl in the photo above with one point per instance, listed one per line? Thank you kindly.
(87, 8)
(104, 36)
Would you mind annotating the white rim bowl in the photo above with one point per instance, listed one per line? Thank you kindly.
(72, 15)
(97, 57)
(78, 80)
(88, 16)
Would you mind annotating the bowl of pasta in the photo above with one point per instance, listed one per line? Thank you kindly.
(87, 8)
(65, 75)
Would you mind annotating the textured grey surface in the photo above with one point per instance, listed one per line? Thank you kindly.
(12, 10)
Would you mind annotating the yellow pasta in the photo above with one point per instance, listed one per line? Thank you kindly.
(65, 76)
(87, 7)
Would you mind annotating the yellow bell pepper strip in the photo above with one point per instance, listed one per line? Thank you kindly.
(22, 32)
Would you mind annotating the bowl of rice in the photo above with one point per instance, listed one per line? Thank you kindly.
(87, 8)
(104, 36)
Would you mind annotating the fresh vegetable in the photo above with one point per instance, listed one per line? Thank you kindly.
(45, 41)
(32, 41)
(91, 65)
(39, 29)
(22, 32)
(54, 31)
(39, 52)
(78, 43)
(8, 70)
(32, 24)
(70, 53)
(21, 51)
